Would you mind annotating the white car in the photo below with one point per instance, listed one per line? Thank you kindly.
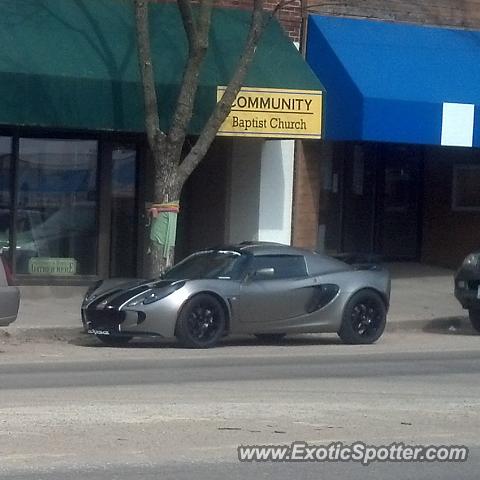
(9, 296)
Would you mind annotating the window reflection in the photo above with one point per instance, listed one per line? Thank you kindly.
(5, 198)
(56, 209)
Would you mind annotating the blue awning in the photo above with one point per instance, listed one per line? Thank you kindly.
(396, 82)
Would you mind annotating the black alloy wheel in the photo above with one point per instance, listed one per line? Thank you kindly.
(364, 318)
(201, 323)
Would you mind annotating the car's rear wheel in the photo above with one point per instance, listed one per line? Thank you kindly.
(270, 337)
(364, 318)
(474, 316)
(114, 341)
(201, 323)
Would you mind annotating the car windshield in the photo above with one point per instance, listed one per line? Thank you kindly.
(223, 264)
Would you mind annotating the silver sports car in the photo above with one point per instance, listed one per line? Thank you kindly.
(265, 289)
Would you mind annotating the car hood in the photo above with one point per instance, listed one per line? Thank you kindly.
(115, 292)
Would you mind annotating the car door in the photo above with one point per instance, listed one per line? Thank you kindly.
(276, 289)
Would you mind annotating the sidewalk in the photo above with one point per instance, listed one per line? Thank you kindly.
(420, 295)
(48, 312)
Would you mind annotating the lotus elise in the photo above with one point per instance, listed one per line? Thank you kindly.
(264, 289)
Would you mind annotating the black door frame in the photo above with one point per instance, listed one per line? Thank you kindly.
(381, 162)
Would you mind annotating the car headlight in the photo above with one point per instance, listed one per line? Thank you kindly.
(471, 261)
(156, 294)
(91, 290)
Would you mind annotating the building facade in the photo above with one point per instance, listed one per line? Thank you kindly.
(76, 179)
(397, 172)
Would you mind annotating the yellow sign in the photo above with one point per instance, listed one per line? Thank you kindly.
(274, 113)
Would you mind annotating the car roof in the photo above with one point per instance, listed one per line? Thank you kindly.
(265, 248)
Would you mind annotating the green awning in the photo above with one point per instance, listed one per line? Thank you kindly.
(73, 63)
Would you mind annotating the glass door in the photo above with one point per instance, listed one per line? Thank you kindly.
(398, 232)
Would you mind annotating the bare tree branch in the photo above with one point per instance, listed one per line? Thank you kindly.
(186, 98)
(152, 123)
(280, 5)
(166, 149)
(223, 107)
(185, 7)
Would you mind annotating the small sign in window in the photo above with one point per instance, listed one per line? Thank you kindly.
(52, 266)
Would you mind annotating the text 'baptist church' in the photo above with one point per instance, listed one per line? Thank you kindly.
(274, 113)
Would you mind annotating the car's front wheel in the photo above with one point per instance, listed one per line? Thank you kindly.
(364, 318)
(201, 323)
(474, 316)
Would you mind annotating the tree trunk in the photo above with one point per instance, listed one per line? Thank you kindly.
(167, 190)
(166, 149)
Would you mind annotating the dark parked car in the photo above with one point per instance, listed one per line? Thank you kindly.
(268, 290)
(467, 287)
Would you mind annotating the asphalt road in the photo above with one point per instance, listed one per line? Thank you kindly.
(152, 411)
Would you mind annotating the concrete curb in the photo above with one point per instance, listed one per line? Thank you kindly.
(69, 334)
(40, 334)
(443, 324)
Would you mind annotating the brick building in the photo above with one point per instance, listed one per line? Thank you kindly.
(290, 16)
(72, 151)
(397, 173)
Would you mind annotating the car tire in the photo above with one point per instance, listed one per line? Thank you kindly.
(270, 337)
(201, 322)
(364, 318)
(114, 341)
(474, 316)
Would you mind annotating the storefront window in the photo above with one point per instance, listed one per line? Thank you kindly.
(56, 231)
(5, 198)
